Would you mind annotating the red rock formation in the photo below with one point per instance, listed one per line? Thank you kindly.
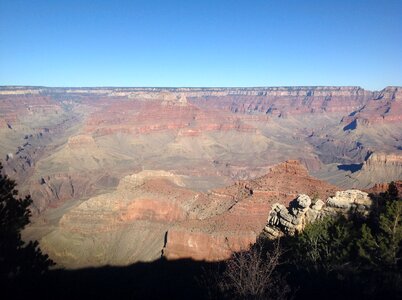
(383, 187)
(200, 226)
(290, 101)
(75, 144)
(138, 117)
(91, 114)
(14, 107)
(217, 237)
(384, 107)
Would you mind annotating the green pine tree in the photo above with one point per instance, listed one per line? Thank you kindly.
(325, 245)
(16, 257)
(381, 245)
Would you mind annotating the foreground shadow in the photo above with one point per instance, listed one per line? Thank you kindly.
(161, 279)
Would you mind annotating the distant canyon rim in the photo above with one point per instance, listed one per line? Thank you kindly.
(120, 175)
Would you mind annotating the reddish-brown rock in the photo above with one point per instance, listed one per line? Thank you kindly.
(217, 134)
(70, 148)
(236, 229)
(384, 107)
(383, 187)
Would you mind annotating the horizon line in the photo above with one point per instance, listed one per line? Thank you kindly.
(194, 87)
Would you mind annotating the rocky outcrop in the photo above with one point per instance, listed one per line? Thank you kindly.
(303, 211)
(235, 228)
(350, 199)
(386, 166)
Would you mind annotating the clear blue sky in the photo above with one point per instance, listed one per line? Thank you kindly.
(201, 43)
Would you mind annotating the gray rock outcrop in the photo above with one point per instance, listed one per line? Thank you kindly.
(349, 199)
(302, 211)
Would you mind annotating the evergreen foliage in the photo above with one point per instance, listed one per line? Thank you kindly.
(350, 256)
(344, 256)
(324, 246)
(17, 259)
(380, 243)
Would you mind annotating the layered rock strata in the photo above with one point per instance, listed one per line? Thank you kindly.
(214, 136)
(217, 237)
(81, 153)
(151, 214)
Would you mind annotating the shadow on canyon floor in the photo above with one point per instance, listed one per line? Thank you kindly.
(179, 279)
(351, 167)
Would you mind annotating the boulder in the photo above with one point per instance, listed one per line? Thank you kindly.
(304, 201)
(312, 215)
(345, 199)
(318, 205)
(302, 211)
(273, 232)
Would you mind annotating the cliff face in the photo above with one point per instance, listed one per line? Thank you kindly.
(62, 135)
(282, 102)
(379, 165)
(81, 153)
(122, 226)
(384, 107)
(151, 214)
(217, 237)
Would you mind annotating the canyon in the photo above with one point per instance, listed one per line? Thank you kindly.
(120, 175)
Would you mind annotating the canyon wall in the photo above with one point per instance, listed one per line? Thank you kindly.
(136, 173)
(72, 143)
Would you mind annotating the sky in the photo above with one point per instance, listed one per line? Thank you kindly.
(195, 43)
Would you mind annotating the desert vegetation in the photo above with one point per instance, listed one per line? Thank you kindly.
(337, 257)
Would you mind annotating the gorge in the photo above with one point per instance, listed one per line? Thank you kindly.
(120, 175)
